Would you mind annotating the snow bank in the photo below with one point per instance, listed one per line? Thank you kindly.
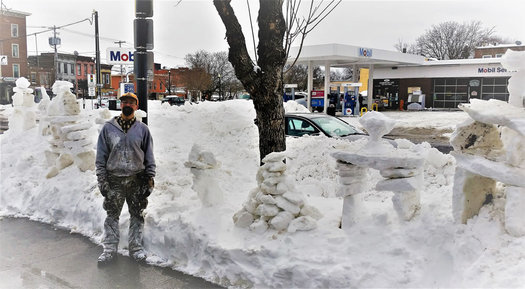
(181, 233)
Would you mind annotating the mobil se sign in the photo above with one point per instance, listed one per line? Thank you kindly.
(119, 55)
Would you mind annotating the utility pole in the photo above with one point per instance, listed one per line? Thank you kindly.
(121, 76)
(97, 49)
(143, 30)
(169, 81)
(56, 53)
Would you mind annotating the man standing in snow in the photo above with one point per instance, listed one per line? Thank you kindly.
(125, 171)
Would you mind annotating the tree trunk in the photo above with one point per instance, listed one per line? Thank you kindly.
(263, 81)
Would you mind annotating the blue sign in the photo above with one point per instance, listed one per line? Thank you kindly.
(366, 52)
(317, 102)
(128, 87)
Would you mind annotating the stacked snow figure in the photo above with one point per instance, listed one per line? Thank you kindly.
(204, 168)
(401, 168)
(490, 148)
(275, 203)
(23, 117)
(69, 137)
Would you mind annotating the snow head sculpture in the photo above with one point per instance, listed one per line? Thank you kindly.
(23, 117)
(65, 102)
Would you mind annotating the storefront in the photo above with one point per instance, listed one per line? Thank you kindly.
(443, 84)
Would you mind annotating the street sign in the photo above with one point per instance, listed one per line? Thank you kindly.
(91, 91)
(3, 59)
(127, 87)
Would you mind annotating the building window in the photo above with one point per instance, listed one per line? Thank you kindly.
(449, 92)
(14, 30)
(61, 68)
(486, 56)
(92, 69)
(16, 70)
(85, 70)
(106, 78)
(79, 66)
(15, 51)
(495, 87)
(33, 77)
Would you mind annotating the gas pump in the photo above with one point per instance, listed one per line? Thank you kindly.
(333, 99)
(291, 88)
(350, 103)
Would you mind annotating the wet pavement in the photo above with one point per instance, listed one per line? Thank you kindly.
(36, 255)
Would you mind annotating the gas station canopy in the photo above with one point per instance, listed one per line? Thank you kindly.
(340, 55)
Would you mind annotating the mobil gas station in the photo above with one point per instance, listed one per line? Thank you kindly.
(398, 80)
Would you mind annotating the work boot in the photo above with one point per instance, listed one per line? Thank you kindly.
(106, 257)
(139, 255)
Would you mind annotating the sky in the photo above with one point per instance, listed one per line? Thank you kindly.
(191, 228)
(184, 27)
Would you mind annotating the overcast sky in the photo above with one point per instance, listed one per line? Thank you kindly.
(195, 25)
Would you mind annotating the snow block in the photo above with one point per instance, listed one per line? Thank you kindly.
(469, 193)
(281, 221)
(514, 208)
(287, 205)
(304, 223)
(243, 219)
(267, 210)
(311, 211)
(406, 204)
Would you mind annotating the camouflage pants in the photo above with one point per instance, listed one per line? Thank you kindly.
(129, 189)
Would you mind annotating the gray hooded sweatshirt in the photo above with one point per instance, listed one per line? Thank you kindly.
(124, 154)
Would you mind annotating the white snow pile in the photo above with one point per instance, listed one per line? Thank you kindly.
(191, 229)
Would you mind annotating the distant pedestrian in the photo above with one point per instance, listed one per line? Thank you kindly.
(125, 171)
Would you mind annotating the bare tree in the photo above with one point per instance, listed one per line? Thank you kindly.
(452, 40)
(263, 79)
(406, 47)
(219, 69)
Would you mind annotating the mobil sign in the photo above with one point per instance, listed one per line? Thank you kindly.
(120, 56)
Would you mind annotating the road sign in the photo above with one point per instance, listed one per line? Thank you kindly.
(127, 87)
(3, 59)
(91, 91)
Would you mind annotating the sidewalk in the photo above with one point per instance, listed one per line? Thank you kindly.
(36, 255)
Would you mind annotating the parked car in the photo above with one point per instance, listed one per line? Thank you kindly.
(174, 100)
(299, 124)
(103, 103)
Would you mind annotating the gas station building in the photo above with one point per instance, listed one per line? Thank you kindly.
(397, 79)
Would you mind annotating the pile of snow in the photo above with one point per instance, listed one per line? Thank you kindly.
(381, 250)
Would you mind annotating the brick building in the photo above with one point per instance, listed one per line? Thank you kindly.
(495, 51)
(13, 50)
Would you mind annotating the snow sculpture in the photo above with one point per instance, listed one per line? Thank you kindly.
(203, 166)
(401, 168)
(23, 117)
(275, 203)
(69, 137)
(490, 148)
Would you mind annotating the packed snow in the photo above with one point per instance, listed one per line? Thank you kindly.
(207, 164)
